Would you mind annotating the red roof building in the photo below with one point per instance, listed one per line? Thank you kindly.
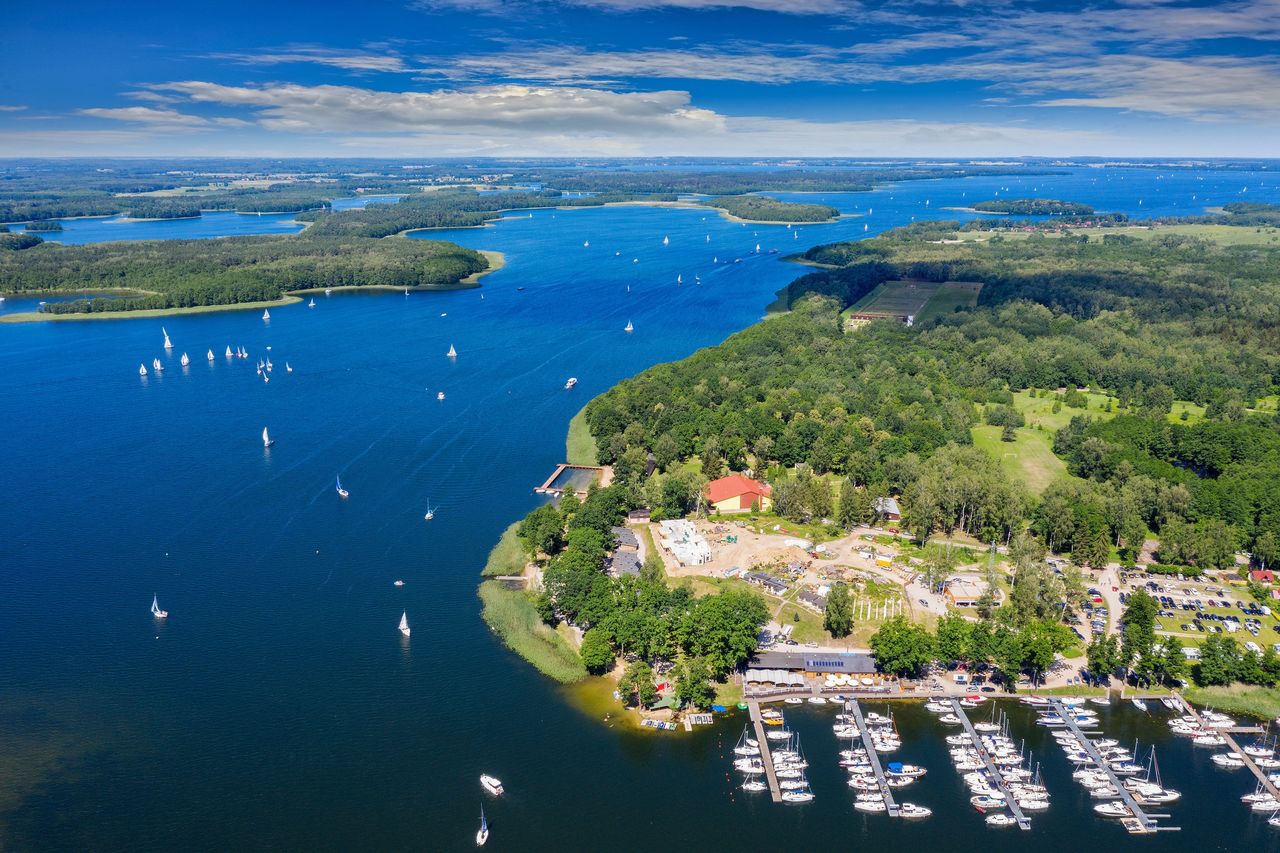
(1262, 576)
(737, 493)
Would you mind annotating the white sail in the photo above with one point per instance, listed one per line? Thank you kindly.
(168, 344)
(666, 241)
(757, 248)
(209, 356)
(287, 368)
(586, 244)
(266, 439)
(184, 360)
(312, 303)
(142, 370)
(452, 353)
(156, 365)
(629, 327)
(404, 624)
(155, 608)
(266, 315)
(679, 279)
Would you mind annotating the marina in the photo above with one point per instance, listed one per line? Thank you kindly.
(877, 769)
(1010, 801)
(766, 758)
(1138, 822)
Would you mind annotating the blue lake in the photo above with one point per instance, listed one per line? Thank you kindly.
(278, 707)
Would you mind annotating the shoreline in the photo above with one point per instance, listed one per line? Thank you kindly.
(496, 262)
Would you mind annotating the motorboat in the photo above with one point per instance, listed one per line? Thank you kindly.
(870, 806)
(1000, 819)
(1139, 704)
(398, 583)
(570, 382)
(1228, 760)
(439, 395)
(1113, 810)
(912, 811)
(492, 784)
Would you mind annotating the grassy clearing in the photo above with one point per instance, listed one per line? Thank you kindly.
(580, 444)
(1238, 699)
(948, 298)
(728, 694)
(1225, 235)
(511, 615)
(1028, 459)
(507, 557)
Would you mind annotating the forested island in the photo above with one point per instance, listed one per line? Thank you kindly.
(1034, 207)
(188, 273)
(1155, 329)
(45, 226)
(762, 208)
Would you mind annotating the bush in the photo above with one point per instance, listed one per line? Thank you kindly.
(1168, 569)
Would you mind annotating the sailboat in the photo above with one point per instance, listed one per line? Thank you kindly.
(168, 344)
(452, 353)
(342, 493)
(679, 279)
(586, 244)
(629, 327)
(431, 513)
(708, 238)
(287, 368)
(267, 440)
(266, 315)
(155, 609)
(439, 395)
(757, 248)
(156, 365)
(404, 623)
(666, 241)
(209, 355)
(229, 353)
(312, 303)
(184, 361)
(715, 259)
(142, 370)
(482, 834)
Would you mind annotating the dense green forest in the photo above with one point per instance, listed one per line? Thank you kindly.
(14, 242)
(765, 209)
(1034, 207)
(889, 408)
(44, 227)
(184, 273)
(453, 208)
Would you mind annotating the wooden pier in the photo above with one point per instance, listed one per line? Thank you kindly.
(1141, 823)
(1263, 777)
(1010, 801)
(891, 805)
(766, 758)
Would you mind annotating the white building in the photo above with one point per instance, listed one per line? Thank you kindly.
(682, 539)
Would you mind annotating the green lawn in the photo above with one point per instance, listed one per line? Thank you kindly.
(580, 444)
(946, 301)
(1028, 459)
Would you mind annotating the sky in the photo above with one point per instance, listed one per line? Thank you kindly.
(620, 78)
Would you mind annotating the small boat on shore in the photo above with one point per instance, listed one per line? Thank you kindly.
(342, 493)
(492, 784)
(155, 608)
(267, 440)
(404, 623)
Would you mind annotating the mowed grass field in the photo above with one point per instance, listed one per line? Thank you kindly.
(919, 299)
(1226, 235)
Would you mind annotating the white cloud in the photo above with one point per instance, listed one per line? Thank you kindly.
(784, 7)
(293, 107)
(12, 108)
(147, 115)
(349, 60)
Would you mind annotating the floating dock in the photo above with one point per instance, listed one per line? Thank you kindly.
(1010, 801)
(766, 757)
(890, 804)
(1141, 823)
(1263, 778)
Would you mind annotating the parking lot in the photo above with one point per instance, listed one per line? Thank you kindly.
(1192, 611)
